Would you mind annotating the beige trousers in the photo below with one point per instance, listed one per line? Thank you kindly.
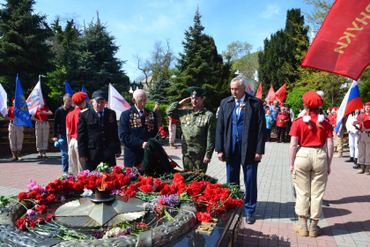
(75, 164)
(15, 137)
(339, 142)
(309, 178)
(172, 134)
(364, 149)
(42, 136)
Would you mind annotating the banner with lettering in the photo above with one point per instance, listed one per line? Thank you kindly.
(342, 45)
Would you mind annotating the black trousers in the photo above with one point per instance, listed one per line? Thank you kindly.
(268, 135)
(281, 132)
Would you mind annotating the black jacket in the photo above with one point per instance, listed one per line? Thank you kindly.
(133, 134)
(254, 129)
(60, 121)
(98, 142)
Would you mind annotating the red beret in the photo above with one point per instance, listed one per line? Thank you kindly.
(329, 108)
(79, 97)
(367, 104)
(13, 98)
(312, 100)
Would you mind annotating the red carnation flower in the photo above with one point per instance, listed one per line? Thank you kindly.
(117, 170)
(51, 198)
(78, 186)
(205, 217)
(141, 224)
(22, 196)
(41, 201)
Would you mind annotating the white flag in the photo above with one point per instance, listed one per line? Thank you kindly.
(35, 98)
(3, 99)
(116, 102)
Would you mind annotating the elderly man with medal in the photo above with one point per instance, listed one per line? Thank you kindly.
(136, 127)
(198, 126)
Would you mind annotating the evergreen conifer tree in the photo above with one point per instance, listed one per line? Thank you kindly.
(199, 65)
(158, 92)
(93, 62)
(280, 53)
(23, 47)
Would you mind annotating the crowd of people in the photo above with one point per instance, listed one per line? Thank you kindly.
(88, 136)
(279, 118)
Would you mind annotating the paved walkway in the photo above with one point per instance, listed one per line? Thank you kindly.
(346, 221)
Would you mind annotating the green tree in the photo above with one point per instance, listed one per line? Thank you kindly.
(239, 55)
(200, 65)
(280, 52)
(158, 92)
(23, 47)
(63, 41)
(93, 62)
(320, 10)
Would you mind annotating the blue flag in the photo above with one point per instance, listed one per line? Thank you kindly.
(68, 88)
(87, 100)
(22, 116)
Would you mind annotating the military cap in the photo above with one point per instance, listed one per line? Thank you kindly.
(79, 97)
(98, 95)
(312, 100)
(196, 92)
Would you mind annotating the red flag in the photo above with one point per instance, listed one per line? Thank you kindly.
(271, 95)
(259, 91)
(280, 94)
(342, 45)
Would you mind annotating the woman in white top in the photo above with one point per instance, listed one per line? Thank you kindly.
(353, 138)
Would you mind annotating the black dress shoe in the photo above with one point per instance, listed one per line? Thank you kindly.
(350, 160)
(356, 166)
(355, 161)
(250, 219)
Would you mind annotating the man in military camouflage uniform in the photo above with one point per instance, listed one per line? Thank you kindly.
(198, 127)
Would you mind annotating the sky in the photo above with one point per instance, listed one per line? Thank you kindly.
(137, 25)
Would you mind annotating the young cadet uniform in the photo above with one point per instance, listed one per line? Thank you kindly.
(15, 135)
(198, 129)
(42, 131)
(364, 141)
(75, 164)
(311, 164)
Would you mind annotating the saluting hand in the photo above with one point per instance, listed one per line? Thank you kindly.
(185, 101)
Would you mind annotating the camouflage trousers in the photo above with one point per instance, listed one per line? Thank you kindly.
(194, 162)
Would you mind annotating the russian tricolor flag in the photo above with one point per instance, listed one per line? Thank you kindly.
(250, 90)
(351, 102)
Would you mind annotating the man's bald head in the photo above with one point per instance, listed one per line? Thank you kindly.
(139, 99)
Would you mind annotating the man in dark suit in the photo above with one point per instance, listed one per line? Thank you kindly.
(240, 140)
(136, 127)
(97, 134)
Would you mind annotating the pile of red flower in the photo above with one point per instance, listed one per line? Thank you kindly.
(212, 196)
(126, 181)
